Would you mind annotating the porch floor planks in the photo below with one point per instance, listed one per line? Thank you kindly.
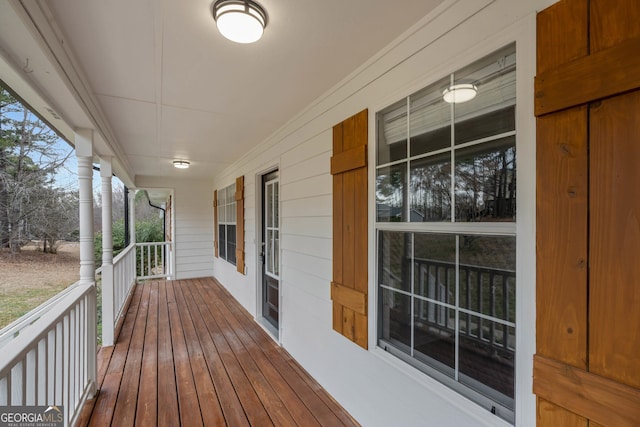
(105, 402)
(168, 414)
(125, 411)
(146, 413)
(229, 399)
(279, 358)
(321, 404)
(189, 354)
(188, 404)
(267, 395)
(296, 407)
(255, 412)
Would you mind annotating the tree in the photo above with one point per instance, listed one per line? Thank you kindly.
(56, 216)
(28, 162)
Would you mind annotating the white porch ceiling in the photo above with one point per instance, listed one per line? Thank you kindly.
(171, 87)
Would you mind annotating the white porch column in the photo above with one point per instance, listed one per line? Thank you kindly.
(84, 153)
(132, 215)
(108, 304)
(132, 228)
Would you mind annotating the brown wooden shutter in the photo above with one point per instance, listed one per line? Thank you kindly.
(240, 224)
(587, 366)
(215, 223)
(350, 282)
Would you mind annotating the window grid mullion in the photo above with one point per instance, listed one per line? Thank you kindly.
(412, 299)
(453, 157)
(457, 312)
(407, 202)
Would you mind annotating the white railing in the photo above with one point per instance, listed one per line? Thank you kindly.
(12, 330)
(117, 281)
(137, 261)
(124, 277)
(53, 360)
(154, 260)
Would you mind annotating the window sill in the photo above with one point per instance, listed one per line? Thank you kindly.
(483, 416)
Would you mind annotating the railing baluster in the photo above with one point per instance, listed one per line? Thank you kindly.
(492, 288)
(480, 299)
(5, 390)
(65, 366)
(505, 310)
(468, 300)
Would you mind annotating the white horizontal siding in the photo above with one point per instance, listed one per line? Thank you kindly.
(320, 185)
(374, 387)
(311, 226)
(306, 207)
(318, 247)
(306, 282)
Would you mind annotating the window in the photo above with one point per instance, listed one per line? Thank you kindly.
(446, 234)
(227, 224)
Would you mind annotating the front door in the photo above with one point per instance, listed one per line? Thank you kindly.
(270, 250)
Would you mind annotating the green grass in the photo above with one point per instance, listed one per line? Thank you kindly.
(16, 303)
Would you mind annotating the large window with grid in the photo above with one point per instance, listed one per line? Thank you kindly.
(227, 224)
(446, 230)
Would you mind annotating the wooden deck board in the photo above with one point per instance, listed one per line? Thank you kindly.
(168, 414)
(189, 354)
(125, 411)
(270, 355)
(296, 407)
(146, 413)
(105, 402)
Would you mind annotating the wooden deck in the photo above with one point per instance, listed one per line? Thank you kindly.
(188, 354)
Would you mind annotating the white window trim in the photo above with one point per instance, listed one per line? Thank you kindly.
(226, 222)
(523, 33)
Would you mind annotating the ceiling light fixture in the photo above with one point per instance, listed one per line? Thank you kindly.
(181, 164)
(241, 21)
(456, 94)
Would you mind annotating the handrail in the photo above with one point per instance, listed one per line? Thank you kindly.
(124, 277)
(154, 260)
(53, 362)
(15, 328)
(123, 254)
(118, 279)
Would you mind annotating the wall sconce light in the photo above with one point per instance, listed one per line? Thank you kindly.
(456, 94)
(181, 164)
(241, 21)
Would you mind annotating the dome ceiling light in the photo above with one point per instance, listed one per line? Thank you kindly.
(456, 94)
(241, 21)
(181, 164)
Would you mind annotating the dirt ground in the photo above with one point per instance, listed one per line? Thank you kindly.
(30, 268)
(30, 277)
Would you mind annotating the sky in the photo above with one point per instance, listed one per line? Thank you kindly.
(66, 176)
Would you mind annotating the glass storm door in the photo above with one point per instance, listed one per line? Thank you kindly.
(270, 249)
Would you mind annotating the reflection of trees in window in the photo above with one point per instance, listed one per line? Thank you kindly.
(431, 189)
(390, 197)
(485, 182)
